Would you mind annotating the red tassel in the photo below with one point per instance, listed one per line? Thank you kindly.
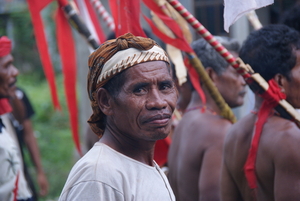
(171, 23)
(195, 80)
(67, 51)
(176, 42)
(161, 151)
(35, 6)
(5, 106)
(126, 14)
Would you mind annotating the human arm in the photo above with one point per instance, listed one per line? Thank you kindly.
(33, 149)
(210, 173)
(229, 189)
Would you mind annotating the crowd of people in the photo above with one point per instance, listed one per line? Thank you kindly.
(133, 95)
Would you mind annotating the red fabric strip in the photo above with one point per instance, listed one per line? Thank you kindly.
(35, 7)
(171, 23)
(5, 46)
(62, 3)
(95, 22)
(15, 191)
(176, 42)
(161, 151)
(271, 99)
(67, 52)
(127, 17)
(195, 80)
(38, 5)
(5, 106)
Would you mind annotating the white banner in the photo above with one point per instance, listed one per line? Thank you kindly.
(234, 9)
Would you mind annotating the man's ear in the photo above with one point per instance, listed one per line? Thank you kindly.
(212, 74)
(104, 100)
(281, 81)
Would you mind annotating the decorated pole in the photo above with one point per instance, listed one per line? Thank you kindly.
(209, 38)
(104, 14)
(254, 80)
(253, 19)
(77, 23)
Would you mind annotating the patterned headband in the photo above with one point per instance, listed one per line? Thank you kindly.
(130, 57)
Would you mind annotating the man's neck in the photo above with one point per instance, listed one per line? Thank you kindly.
(136, 150)
(258, 103)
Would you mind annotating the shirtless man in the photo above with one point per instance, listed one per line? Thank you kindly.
(195, 155)
(274, 52)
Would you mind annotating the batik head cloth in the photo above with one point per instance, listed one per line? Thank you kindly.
(5, 46)
(113, 57)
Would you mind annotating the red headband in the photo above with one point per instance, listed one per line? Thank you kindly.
(5, 46)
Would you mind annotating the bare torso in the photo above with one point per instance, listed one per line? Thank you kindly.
(277, 164)
(195, 156)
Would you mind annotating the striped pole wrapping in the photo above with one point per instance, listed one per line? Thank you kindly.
(209, 38)
(104, 14)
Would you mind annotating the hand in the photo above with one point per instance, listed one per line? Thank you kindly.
(43, 184)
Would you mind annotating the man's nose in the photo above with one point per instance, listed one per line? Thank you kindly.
(242, 80)
(14, 71)
(156, 100)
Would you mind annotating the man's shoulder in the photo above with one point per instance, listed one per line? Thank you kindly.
(282, 131)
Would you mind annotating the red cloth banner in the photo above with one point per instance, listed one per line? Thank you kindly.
(67, 52)
(126, 14)
(35, 6)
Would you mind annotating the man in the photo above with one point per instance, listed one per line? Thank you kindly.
(195, 154)
(20, 118)
(133, 96)
(13, 185)
(274, 174)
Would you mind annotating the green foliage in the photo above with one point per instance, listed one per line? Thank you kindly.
(52, 131)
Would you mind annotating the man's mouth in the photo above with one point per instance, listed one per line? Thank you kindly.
(242, 93)
(159, 119)
(13, 84)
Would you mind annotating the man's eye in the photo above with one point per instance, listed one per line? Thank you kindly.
(165, 86)
(139, 90)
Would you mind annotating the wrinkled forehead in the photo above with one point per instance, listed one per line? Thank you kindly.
(150, 69)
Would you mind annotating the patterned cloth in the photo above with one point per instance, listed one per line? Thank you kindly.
(110, 59)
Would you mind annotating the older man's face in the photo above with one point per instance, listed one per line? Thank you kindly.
(8, 74)
(143, 108)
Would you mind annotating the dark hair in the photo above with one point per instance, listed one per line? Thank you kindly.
(210, 57)
(291, 17)
(271, 50)
(113, 86)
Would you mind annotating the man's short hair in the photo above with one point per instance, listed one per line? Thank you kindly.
(210, 57)
(271, 50)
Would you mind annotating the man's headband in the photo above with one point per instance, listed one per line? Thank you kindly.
(130, 57)
(5, 46)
